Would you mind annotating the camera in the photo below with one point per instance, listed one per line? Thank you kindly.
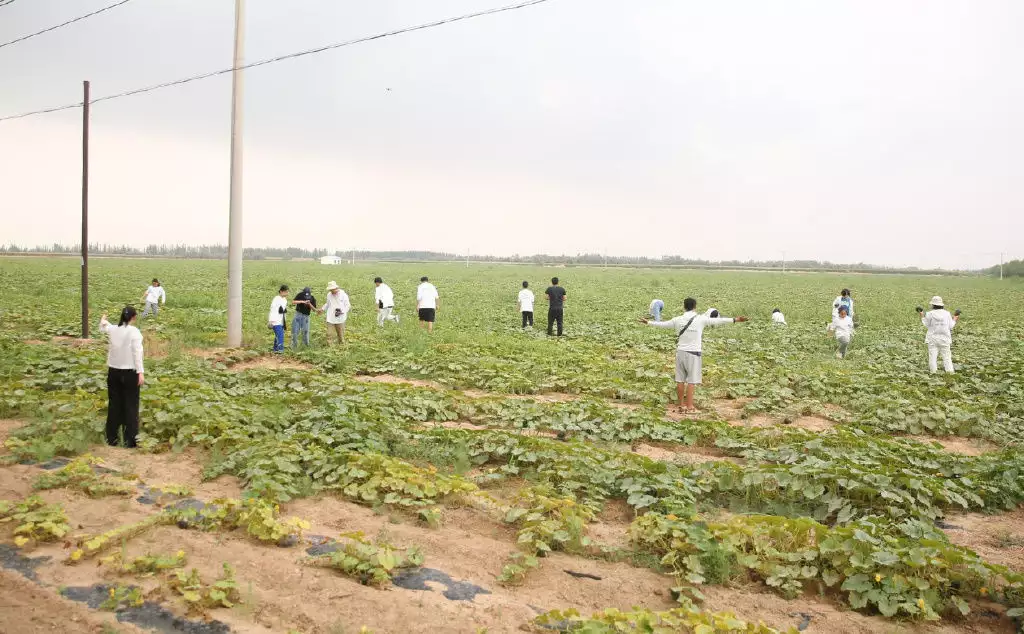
(919, 309)
(957, 312)
(337, 312)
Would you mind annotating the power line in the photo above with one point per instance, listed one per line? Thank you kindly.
(281, 58)
(57, 26)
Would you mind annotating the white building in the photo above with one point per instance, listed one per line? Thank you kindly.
(330, 259)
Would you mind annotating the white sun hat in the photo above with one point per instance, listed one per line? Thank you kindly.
(937, 301)
(332, 285)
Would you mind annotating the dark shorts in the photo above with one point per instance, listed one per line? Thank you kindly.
(427, 314)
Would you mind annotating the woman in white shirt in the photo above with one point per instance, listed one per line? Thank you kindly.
(124, 377)
(842, 325)
(939, 323)
(336, 308)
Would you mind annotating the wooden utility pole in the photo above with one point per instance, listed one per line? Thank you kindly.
(85, 211)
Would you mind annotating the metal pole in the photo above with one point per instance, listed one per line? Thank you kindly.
(235, 204)
(85, 210)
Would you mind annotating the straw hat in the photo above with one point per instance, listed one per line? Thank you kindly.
(332, 285)
(937, 301)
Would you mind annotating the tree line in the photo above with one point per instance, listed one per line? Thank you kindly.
(1013, 268)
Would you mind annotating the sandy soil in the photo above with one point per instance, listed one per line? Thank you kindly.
(170, 468)
(962, 446)
(397, 380)
(682, 453)
(269, 362)
(26, 608)
(997, 538)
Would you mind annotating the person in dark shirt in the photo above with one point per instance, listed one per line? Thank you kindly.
(304, 303)
(556, 303)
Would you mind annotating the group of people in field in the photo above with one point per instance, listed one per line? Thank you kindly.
(126, 372)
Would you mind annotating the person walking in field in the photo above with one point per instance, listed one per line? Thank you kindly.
(336, 308)
(655, 309)
(525, 304)
(842, 325)
(845, 299)
(276, 318)
(778, 317)
(427, 300)
(154, 294)
(940, 324)
(385, 300)
(556, 306)
(689, 328)
(305, 304)
(125, 375)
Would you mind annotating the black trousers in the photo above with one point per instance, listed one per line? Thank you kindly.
(527, 318)
(122, 406)
(555, 314)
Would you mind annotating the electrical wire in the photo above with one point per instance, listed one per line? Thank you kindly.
(281, 58)
(57, 26)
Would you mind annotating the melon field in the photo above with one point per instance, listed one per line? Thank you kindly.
(484, 478)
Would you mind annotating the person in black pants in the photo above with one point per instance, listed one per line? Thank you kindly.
(556, 303)
(525, 304)
(125, 375)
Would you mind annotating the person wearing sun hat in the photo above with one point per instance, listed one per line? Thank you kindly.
(336, 309)
(939, 323)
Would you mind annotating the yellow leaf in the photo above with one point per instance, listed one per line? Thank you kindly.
(20, 541)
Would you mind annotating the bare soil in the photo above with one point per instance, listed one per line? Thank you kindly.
(962, 446)
(397, 380)
(26, 608)
(682, 453)
(997, 538)
(269, 362)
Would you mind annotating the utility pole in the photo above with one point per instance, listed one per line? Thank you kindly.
(235, 204)
(85, 210)
(783, 262)
(1000, 265)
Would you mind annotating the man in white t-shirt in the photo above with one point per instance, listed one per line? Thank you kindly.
(336, 308)
(940, 324)
(384, 297)
(525, 305)
(275, 320)
(154, 294)
(426, 303)
(689, 328)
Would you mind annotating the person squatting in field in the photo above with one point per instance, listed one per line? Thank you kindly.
(556, 305)
(940, 324)
(689, 328)
(842, 325)
(384, 297)
(655, 309)
(525, 304)
(154, 294)
(277, 316)
(305, 303)
(778, 317)
(427, 300)
(125, 374)
(336, 309)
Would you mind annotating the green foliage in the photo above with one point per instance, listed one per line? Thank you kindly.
(685, 620)
(121, 597)
(34, 520)
(199, 596)
(145, 565)
(90, 546)
(80, 474)
(909, 569)
(372, 563)
(258, 517)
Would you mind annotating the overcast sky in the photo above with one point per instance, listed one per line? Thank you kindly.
(884, 131)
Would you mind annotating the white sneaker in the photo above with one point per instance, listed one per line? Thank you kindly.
(397, 319)
(839, 356)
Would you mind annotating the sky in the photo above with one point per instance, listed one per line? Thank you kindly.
(880, 131)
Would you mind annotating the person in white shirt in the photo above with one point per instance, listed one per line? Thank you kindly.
(125, 375)
(689, 328)
(276, 317)
(940, 324)
(778, 317)
(525, 304)
(655, 309)
(154, 294)
(842, 325)
(385, 299)
(336, 308)
(844, 299)
(426, 303)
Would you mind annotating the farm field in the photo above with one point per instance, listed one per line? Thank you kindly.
(488, 479)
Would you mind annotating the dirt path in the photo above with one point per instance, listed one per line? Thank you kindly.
(26, 608)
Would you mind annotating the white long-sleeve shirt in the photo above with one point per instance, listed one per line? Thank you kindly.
(335, 302)
(526, 299)
(276, 315)
(843, 327)
(779, 318)
(692, 340)
(939, 324)
(384, 296)
(125, 352)
(155, 294)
